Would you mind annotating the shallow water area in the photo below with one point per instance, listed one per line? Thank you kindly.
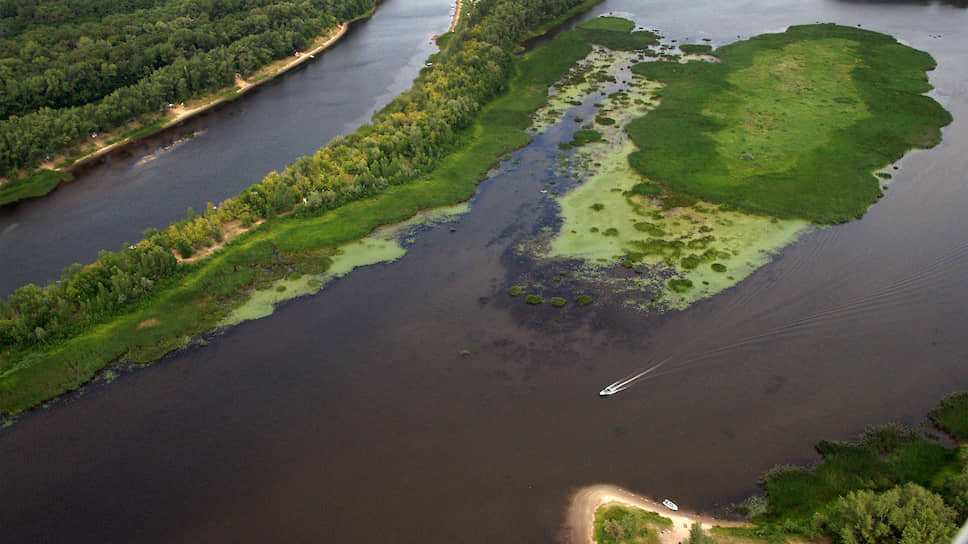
(383, 245)
(699, 247)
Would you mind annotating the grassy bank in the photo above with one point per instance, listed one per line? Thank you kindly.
(33, 185)
(201, 294)
(894, 485)
(791, 124)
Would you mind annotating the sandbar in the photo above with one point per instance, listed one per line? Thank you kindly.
(586, 501)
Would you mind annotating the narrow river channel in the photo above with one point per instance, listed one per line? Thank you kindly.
(351, 417)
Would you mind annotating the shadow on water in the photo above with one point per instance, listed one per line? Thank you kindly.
(353, 416)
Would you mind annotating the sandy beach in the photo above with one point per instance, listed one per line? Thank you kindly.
(581, 514)
(456, 18)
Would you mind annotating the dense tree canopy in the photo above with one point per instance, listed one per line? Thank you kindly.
(69, 68)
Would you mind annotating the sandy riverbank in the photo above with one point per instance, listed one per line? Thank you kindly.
(456, 18)
(180, 113)
(580, 517)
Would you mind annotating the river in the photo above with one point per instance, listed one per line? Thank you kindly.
(349, 416)
(236, 146)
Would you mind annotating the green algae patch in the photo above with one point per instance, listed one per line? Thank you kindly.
(792, 125)
(677, 246)
(370, 250)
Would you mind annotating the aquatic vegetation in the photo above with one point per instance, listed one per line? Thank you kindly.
(515, 290)
(584, 300)
(584, 136)
(692, 48)
(534, 299)
(671, 233)
(680, 285)
(791, 125)
(464, 353)
(558, 302)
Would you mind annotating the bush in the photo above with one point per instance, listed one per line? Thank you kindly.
(952, 416)
(907, 514)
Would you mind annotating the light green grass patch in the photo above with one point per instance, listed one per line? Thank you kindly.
(792, 124)
(373, 249)
(688, 240)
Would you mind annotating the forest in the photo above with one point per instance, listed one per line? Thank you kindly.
(404, 141)
(72, 68)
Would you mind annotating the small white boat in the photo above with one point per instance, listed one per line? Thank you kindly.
(669, 504)
(610, 390)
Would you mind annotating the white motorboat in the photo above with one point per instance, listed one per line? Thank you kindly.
(669, 504)
(610, 390)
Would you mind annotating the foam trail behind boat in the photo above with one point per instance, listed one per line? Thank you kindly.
(625, 383)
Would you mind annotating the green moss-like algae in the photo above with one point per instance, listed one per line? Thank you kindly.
(791, 124)
(614, 216)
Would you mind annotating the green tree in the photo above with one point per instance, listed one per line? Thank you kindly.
(907, 514)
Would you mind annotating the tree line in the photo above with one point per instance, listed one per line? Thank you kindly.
(404, 141)
(61, 80)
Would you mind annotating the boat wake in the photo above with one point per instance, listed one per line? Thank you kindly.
(627, 382)
(872, 308)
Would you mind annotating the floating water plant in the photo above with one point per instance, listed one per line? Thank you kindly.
(515, 290)
(534, 299)
(558, 302)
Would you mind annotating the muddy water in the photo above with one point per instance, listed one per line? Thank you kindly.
(153, 184)
(350, 416)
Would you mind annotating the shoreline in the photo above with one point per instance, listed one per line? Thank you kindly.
(580, 516)
(181, 113)
(456, 18)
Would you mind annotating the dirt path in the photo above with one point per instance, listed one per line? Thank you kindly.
(581, 514)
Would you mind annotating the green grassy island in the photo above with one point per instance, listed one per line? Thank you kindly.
(693, 172)
(791, 125)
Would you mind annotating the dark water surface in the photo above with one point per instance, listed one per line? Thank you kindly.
(350, 417)
(236, 146)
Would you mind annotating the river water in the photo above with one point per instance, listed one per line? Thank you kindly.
(236, 146)
(350, 416)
